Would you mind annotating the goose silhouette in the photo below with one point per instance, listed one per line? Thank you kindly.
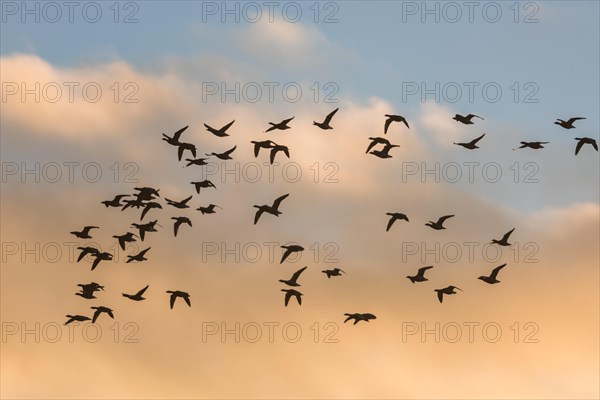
(85, 232)
(283, 125)
(78, 318)
(175, 139)
(585, 140)
(289, 293)
(294, 248)
(203, 184)
(395, 216)
(333, 272)
(178, 222)
(178, 293)
(472, 144)
(420, 276)
(447, 290)
(491, 279)
(466, 119)
(224, 156)
(325, 124)
(219, 132)
(293, 281)
(138, 257)
(569, 123)
(265, 144)
(504, 240)
(138, 296)
(124, 239)
(357, 317)
(99, 311)
(179, 204)
(116, 202)
(272, 209)
(393, 118)
(439, 224)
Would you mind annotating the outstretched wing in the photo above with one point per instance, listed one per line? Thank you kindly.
(286, 121)
(330, 116)
(571, 120)
(224, 129)
(440, 295)
(172, 300)
(390, 223)
(507, 235)
(288, 295)
(177, 134)
(388, 122)
(176, 227)
(257, 215)
(474, 141)
(278, 201)
(228, 152)
(445, 217)
(579, 146)
(285, 255)
(496, 270)
(421, 271)
(297, 274)
(187, 300)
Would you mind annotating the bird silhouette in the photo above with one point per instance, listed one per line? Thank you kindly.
(277, 148)
(175, 139)
(181, 147)
(393, 118)
(147, 227)
(149, 206)
(420, 276)
(224, 156)
(179, 204)
(466, 119)
(219, 132)
(283, 125)
(197, 161)
(210, 209)
(492, 278)
(438, 225)
(138, 295)
(292, 292)
(293, 281)
(272, 209)
(359, 317)
(447, 290)
(79, 318)
(532, 145)
(116, 202)
(147, 193)
(294, 248)
(333, 272)
(569, 123)
(325, 124)
(178, 293)
(85, 232)
(203, 184)
(86, 292)
(85, 251)
(265, 144)
(585, 140)
(385, 152)
(138, 257)
(126, 238)
(100, 310)
(178, 222)
(375, 141)
(472, 144)
(101, 256)
(395, 216)
(504, 240)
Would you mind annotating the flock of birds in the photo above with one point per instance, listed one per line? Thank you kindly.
(146, 198)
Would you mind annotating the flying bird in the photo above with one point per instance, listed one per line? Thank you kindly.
(377, 140)
(85, 232)
(181, 147)
(293, 281)
(395, 216)
(203, 184)
(532, 145)
(175, 139)
(146, 193)
(277, 148)
(466, 119)
(126, 238)
(219, 132)
(116, 202)
(283, 125)
(265, 144)
(292, 292)
(325, 124)
(569, 123)
(179, 204)
(420, 276)
(178, 293)
(359, 317)
(224, 156)
(492, 278)
(447, 290)
(333, 272)
(85, 251)
(79, 318)
(210, 209)
(138, 257)
(86, 292)
(472, 144)
(585, 140)
(100, 310)
(393, 118)
(272, 209)
(149, 206)
(179, 221)
(384, 153)
(196, 161)
(147, 227)
(294, 248)
(101, 256)
(504, 240)
(438, 225)
(138, 295)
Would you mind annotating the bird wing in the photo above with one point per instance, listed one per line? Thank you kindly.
(141, 292)
(96, 315)
(330, 116)
(421, 271)
(477, 139)
(257, 215)
(256, 149)
(180, 151)
(177, 134)
(297, 274)
(388, 122)
(595, 144)
(96, 262)
(299, 298)
(496, 270)
(440, 295)
(571, 120)
(285, 255)
(172, 300)
(579, 146)
(145, 211)
(507, 235)
(223, 129)
(405, 122)
(288, 295)
(141, 253)
(473, 115)
(228, 152)
(278, 201)
(184, 201)
(371, 145)
(285, 121)
(274, 151)
(187, 300)
(390, 223)
(271, 128)
(210, 128)
(445, 217)
(176, 227)
(142, 234)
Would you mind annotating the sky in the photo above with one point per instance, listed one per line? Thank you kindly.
(88, 89)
